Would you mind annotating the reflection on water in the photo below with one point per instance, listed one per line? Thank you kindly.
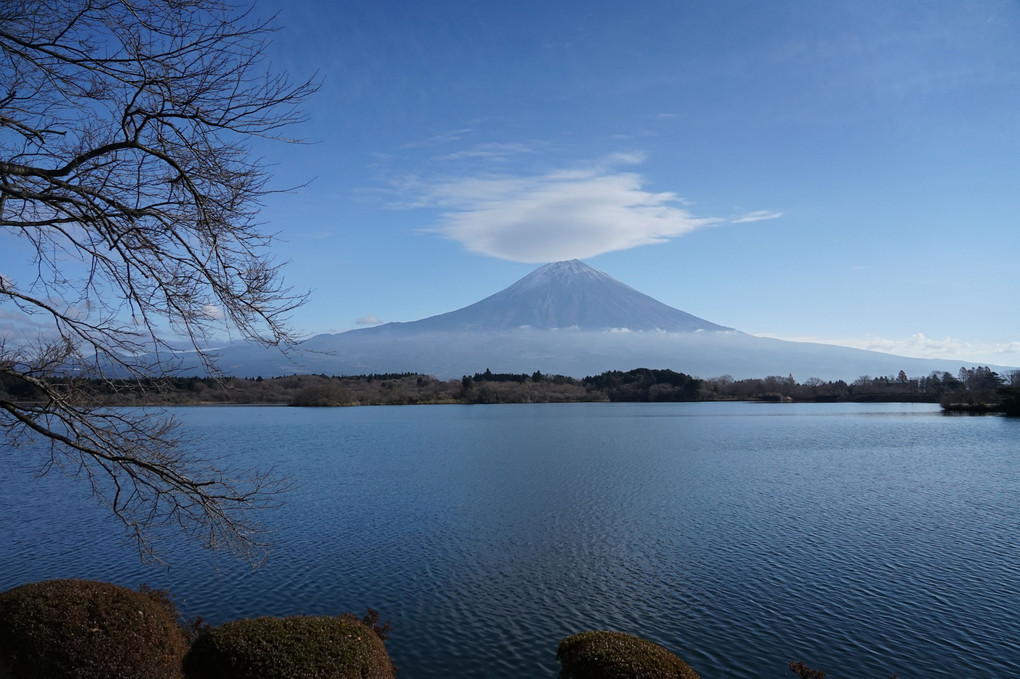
(866, 540)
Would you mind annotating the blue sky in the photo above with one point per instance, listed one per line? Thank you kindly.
(846, 172)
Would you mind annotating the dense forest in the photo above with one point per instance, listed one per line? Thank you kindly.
(972, 389)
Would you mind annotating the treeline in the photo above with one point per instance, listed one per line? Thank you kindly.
(397, 389)
(971, 389)
(374, 389)
(640, 385)
(864, 388)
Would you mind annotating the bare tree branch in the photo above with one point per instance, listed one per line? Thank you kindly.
(125, 166)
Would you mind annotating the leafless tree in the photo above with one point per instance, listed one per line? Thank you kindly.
(126, 166)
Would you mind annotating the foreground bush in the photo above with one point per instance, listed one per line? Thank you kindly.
(88, 630)
(615, 655)
(289, 648)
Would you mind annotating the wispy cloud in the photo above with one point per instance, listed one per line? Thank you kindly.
(564, 214)
(441, 138)
(368, 320)
(490, 151)
(757, 216)
(212, 312)
(920, 345)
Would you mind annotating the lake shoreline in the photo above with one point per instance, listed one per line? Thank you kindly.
(968, 395)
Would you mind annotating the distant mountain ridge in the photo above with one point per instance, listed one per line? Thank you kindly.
(570, 319)
(560, 296)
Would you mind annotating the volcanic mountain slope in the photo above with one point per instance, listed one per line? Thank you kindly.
(562, 295)
(570, 319)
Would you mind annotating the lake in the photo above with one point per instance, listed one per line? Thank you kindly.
(864, 539)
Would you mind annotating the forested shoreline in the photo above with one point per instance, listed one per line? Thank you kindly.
(973, 389)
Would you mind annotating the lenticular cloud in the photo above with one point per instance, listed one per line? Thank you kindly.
(559, 216)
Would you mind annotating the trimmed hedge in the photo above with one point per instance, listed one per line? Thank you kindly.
(83, 629)
(615, 655)
(298, 647)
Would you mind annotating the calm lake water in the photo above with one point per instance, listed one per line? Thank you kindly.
(863, 539)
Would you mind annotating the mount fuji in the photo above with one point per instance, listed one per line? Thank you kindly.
(560, 296)
(567, 318)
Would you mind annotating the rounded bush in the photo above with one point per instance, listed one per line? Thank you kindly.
(88, 630)
(289, 648)
(615, 655)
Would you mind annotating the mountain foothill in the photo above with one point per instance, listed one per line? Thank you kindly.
(567, 318)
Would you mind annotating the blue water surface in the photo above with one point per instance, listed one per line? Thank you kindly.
(864, 539)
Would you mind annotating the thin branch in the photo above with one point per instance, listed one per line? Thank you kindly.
(127, 171)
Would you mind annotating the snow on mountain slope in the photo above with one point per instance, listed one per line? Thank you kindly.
(562, 295)
(564, 318)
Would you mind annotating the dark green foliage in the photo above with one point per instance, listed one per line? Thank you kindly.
(644, 384)
(298, 647)
(489, 387)
(976, 389)
(17, 389)
(489, 376)
(322, 395)
(615, 655)
(371, 620)
(384, 376)
(82, 629)
(1010, 402)
(978, 392)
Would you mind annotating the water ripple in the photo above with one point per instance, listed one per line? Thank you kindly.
(866, 541)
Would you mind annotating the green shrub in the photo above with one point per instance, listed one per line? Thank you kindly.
(285, 648)
(85, 629)
(615, 655)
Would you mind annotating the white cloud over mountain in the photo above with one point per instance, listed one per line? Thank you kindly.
(919, 345)
(570, 214)
(212, 312)
(368, 320)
